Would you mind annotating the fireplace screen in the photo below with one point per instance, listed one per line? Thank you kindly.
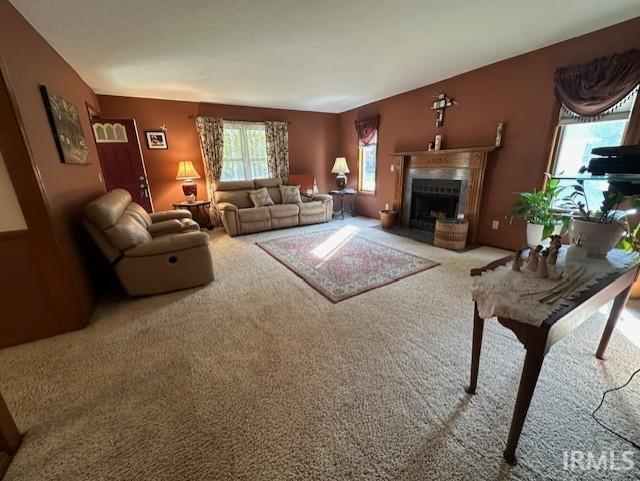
(431, 199)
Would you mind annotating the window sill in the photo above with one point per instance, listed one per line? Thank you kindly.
(367, 193)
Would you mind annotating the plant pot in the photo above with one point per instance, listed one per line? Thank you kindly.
(534, 233)
(387, 218)
(596, 238)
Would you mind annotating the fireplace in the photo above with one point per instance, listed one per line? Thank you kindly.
(434, 198)
(465, 166)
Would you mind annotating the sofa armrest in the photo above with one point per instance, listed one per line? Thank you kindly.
(165, 227)
(226, 206)
(323, 197)
(168, 244)
(170, 214)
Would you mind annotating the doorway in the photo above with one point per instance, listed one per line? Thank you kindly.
(121, 158)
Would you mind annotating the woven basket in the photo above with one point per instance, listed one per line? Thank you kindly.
(451, 234)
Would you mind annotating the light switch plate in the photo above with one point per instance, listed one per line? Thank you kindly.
(495, 224)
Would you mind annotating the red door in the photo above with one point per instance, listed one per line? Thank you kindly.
(121, 158)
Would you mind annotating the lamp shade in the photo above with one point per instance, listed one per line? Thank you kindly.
(340, 166)
(186, 170)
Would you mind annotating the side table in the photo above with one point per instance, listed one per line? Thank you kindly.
(351, 195)
(200, 210)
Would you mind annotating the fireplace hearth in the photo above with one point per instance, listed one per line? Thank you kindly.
(431, 199)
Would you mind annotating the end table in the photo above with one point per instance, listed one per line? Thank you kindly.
(200, 210)
(351, 195)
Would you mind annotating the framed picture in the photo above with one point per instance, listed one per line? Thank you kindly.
(156, 139)
(67, 130)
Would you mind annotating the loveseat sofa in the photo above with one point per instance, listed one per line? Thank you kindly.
(150, 253)
(239, 216)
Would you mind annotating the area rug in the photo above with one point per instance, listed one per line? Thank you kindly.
(340, 264)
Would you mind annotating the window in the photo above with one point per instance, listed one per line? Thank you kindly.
(368, 159)
(576, 137)
(244, 151)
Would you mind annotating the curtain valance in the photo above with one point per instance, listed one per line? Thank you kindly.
(593, 88)
(367, 128)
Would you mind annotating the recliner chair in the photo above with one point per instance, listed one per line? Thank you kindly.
(150, 253)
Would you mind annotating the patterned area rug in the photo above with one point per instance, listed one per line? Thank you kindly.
(340, 264)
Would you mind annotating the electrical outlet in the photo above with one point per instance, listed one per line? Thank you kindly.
(495, 224)
(392, 167)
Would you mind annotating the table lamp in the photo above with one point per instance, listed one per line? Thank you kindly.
(341, 168)
(187, 172)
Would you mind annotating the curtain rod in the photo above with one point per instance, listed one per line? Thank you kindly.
(193, 117)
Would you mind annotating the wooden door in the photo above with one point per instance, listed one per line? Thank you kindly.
(121, 158)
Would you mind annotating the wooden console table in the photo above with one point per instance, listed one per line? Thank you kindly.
(538, 340)
(9, 437)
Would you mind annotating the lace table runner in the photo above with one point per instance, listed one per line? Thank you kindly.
(499, 292)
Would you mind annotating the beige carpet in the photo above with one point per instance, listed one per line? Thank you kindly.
(259, 377)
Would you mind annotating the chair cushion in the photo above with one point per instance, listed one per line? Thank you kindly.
(254, 214)
(311, 207)
(239, 198)
(290, 194)
(272, 186)
(138, 212)
(275, 182)
(284, 210)
(220, 185)
(127, 233)
(105, 211)
(260, 197)
(189, 225)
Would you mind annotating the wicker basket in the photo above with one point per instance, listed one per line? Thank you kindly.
(451, 234)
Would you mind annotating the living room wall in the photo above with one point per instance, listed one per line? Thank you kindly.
(517, 91)
(28, 62)
(313, 138)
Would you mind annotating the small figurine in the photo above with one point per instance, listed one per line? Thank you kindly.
(554, 249)
(517, 261)
(534, 255)
(542, 272)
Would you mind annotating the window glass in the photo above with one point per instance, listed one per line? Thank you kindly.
(368, 155)
(244, 151)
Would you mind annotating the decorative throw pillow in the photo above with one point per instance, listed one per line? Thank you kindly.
(260, 197)
(290, 194)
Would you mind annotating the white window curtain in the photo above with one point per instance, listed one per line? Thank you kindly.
(245, 151)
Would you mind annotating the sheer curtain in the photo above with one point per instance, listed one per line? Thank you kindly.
(277, 134)
(211, 135)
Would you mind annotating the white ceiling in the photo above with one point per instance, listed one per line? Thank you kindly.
(322, 55)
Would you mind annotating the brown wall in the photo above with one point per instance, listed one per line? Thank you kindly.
(312, 138)
(517, 91)
(30, 61)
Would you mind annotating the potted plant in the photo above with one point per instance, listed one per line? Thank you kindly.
(599, 231)
(536, 208)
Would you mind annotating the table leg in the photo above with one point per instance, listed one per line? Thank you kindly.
(9, 434)
(353, 206)
(340, 211)
(478, 328)
(617, 308)
(528, 380)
